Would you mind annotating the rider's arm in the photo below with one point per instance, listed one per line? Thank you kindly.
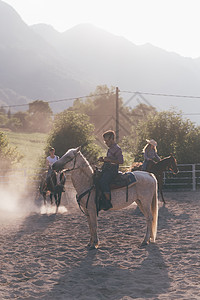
(116, 156)
(47, 163)
(146, 155)
(157, 157)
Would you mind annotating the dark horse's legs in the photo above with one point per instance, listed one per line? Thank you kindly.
(51, 198)
(160, 184)
(44, 198)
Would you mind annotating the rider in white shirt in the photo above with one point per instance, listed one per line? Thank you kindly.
(51, 158)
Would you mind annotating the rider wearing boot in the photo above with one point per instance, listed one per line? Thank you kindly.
(110, 167)
(150, 154)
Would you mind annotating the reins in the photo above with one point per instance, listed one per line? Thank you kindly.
(78, 198)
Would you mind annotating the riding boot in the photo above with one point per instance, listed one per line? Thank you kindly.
(108, 205)
(107, 201)
(104, 203)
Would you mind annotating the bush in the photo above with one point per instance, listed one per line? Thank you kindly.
(174, 135)
(8, 155)
(71, 130)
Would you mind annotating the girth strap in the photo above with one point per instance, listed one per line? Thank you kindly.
(127, 193)
(78, 198)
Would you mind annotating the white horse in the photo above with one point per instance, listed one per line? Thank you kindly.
(143, 192)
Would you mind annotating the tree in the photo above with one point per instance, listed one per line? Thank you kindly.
(101, 108)
(71, 130)
(174, 135)
(134, 116)
(40, 116)
(2, 111)
(100, 105)
(22, 118)
(8, 155)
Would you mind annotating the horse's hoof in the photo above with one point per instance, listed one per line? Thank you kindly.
(92, 247)
(144, 244)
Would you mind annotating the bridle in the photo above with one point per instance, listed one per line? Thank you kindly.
(70, 159)
(87, 192)
(74, 165)
(173, 162)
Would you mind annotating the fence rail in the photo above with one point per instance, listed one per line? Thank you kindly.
(188, 177)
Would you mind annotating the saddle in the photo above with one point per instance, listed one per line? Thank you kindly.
(121, 180)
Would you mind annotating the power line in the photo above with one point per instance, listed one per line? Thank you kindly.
(159, 94)
(59, 100)
(103, 94)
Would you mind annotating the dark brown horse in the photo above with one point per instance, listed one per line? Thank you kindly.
(49, 184)
(166, 164)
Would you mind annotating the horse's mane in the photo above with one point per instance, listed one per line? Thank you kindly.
(135, 166)
(70, 152)
(165, 159)
(86, 162)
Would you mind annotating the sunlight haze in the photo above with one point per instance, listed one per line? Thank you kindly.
(172, 25)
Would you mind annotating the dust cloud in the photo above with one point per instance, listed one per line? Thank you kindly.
(19, 199)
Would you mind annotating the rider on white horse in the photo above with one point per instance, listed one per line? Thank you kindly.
(110, 167)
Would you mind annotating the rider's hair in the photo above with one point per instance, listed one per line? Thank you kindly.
(109, 134)
(148, 147)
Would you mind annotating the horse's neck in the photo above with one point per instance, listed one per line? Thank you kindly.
(82, 178)
(163, 164)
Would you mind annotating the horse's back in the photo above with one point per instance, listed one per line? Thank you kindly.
(145, 180)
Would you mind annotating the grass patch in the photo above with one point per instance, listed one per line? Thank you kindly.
(30, 145)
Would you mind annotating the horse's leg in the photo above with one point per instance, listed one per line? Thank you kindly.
(56, 199)
(161, 192)
(160, 185)
(59, 198)
(51, 198)
(92, 222)
(44, 198)
(146, 210)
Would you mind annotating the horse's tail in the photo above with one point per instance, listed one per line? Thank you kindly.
(154, 210)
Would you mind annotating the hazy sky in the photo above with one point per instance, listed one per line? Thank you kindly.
(173, 25)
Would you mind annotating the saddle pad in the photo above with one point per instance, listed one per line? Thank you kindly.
(123, 180)
(131, 177)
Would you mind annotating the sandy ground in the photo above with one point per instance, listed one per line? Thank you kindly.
(43, 255)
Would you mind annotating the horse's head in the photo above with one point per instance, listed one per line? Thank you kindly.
(173, 165)
(67, 161)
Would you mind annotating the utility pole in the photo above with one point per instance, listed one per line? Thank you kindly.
(117, 115)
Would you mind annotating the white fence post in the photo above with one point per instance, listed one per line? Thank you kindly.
(193, 178)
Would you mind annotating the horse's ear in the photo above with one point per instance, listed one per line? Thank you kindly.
(78, 149)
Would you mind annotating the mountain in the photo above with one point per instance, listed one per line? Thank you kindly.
(29, 66)
(104, 58)
(113, 60)
(37, 62)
